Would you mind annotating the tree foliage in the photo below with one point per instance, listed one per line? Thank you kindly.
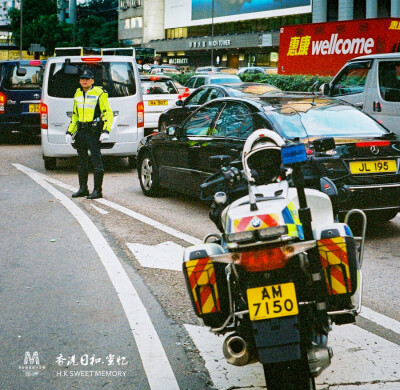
(97, 25)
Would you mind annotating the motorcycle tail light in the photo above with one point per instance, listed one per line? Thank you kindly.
(263, 260)
(3, 100)
(272, 232)
(241, 237)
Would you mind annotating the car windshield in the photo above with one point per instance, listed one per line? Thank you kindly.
(150, 87)
(325, 120)
(31, 80)
(117, 78)
(225, 80)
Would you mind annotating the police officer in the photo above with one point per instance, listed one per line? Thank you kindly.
(90, 125)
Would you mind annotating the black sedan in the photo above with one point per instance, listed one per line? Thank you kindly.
(176, 115)
(364, 164)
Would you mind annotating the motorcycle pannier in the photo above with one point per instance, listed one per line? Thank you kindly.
(339, 260)
(207, 286)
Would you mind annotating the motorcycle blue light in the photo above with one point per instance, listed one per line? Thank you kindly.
(293, 154)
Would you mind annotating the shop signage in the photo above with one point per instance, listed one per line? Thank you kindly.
(265, 39)
(204, 44)
(178, 61)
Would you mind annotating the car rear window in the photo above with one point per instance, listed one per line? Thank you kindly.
(331, 120)
(150, 87)
(31, 80)
(226, 80)
(117, 78)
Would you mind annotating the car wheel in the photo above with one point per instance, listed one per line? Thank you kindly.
(163, 126)
(148, 175)
(50, 163)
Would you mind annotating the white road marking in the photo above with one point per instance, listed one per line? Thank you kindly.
(149, 221)
(359, 357)
(100, 210)
(167, 255)
(155, 362)
(378, 318)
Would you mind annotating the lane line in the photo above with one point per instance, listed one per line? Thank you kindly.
(155, 362)
(142, 218)
(100, 210)
(369, 314)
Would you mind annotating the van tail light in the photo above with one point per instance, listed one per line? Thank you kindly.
(91, 59)
(3, 100)
(184, 95)
(140, 114)
(43, 116)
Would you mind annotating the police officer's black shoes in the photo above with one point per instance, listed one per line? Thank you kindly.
(98, 181)
(96, 194)
(83, 191)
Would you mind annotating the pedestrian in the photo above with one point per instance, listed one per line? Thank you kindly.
(90, 125)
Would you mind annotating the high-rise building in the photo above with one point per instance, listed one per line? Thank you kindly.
(140, 21)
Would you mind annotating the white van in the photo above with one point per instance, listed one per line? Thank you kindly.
(372, 83)
(119, 76)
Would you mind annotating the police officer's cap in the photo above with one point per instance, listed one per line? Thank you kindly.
(86, 74)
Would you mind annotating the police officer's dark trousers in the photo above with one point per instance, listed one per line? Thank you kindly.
(87, 138)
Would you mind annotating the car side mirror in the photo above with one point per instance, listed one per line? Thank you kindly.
(322, 145)
(21, 72)
(325, 89)
(219, 161)
(179, 103)
(172, 130)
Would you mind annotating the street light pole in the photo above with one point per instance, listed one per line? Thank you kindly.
(212, 33)
(20, 29)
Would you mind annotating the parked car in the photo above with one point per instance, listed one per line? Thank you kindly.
(159, 93)
(371, 83)
(257, 70)
(172, 69)
(364, 163)
(176, 114)
(119, 76)
(218, 78)
(20, 93)
(215, 69)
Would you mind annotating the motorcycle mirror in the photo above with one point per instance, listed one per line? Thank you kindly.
(220, 161)
(220, 197)
(324, 144)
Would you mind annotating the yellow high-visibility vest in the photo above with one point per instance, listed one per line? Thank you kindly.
(85, 108)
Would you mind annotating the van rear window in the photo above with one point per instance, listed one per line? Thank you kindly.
(15, 80)
(117, 78)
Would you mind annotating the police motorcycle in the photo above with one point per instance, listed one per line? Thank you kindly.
(282, 271)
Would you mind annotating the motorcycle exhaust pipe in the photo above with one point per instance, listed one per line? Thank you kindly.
(237, 350)
(319, 358)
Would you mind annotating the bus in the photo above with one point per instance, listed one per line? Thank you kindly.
(76, 51)
(143, 55)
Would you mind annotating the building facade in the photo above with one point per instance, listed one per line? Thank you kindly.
(140, 21)
(231, 33)
(336, 10)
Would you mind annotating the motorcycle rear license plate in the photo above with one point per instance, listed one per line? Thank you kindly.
(34, 107)
(274, 301)
(381, 166)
